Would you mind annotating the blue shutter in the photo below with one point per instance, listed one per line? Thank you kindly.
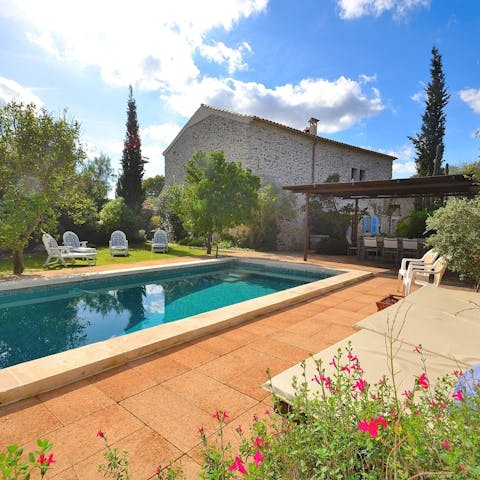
(365, 224)
(374, 224)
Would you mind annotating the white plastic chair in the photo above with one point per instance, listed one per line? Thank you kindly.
(63, 254)
(118, 244)
(160, 241)
(427, 260)
(70, 239)
(422, 276)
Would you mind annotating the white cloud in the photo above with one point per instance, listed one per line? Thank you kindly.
(11, 90)
(220, 54)
(150, 44)
(338, 104)
(404, 166)
(350, 9)
(471, 96)
(419, 97)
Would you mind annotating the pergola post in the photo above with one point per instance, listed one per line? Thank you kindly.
(305, 227)
(355, 223)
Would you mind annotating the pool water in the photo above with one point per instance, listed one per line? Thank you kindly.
(40, 322)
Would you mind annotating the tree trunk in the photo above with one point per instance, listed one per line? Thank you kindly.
(208, 241)
(18, 264)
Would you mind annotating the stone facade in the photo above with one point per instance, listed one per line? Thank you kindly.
(277, 153)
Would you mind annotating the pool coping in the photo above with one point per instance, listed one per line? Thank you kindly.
(30, 378)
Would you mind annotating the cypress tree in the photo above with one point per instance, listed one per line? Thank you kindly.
(129, 183)
(429, 142)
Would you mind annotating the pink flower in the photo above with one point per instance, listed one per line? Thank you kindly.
(100, 434)
(257, 458)
(360, 384)
(446, 444)
(352, 358)
(220, 415)
(239, 430)
(370, 427)
(458, 395)
(267, 412)
(346, 368)
(259, 441)
(333, 362)
(326, 381)
(44, 460)
(423, 381)
(417, 350)
(237, 465)
(407, 393)
(201, 431)
(315, 379)
(255, 417)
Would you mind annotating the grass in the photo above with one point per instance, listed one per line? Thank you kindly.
(137, 253)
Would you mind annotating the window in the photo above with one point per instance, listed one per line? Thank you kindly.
(353, 175)
(363, 175)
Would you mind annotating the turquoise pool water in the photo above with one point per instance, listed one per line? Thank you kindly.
(42, 321)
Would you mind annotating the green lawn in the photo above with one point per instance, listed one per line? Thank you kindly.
(137, 253)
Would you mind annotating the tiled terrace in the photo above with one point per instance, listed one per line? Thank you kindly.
(153, 407)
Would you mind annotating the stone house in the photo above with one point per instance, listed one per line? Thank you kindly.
(277, 153)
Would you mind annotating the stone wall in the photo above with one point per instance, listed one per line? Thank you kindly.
(277, 154)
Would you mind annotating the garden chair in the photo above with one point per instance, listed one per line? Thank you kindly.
(426, 260)
(118, 244)
(70, 239)
(390, 247)
(63, 255)
(352, 247)
(423, 275)
(370, 245)
(160, 241)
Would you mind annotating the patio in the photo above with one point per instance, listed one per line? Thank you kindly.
(153, 407)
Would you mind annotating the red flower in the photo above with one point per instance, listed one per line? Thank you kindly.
(201, 431)
(458, 395)
(446, 444)
(417, 350)
(259, 441)
(423, 381)
(44, 460)
(257, 458)
(352, 358)
(346, 368)
(220, 415)
(237, 465)
(360, 384)
(408, 394)
(100, 434)
(370, 427)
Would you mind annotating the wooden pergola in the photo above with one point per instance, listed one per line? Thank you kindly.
(441, 185)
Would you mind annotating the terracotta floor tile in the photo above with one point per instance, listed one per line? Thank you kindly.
(173, 417)
(122, 382)
(209, 394)
(78, 440)
(159, 367)
(309, 343)
(189, 466)
(191, 356)
(258, 329)
(25, 421)
(217, 345)
(283, 350)
(68, 474)
(231, 364)
(238, 336)
(146, 451)
(281, 320)
(344, 317)
(311, 325)
(75, 401)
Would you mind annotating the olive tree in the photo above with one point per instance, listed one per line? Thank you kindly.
(39, 157)
(456, 236)
(218, 194)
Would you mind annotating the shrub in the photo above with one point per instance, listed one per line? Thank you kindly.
(115, 215)
(456, 236)
(413, 225)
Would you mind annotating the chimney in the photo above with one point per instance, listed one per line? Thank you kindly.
(312, 126)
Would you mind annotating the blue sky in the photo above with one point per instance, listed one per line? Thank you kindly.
(360, 66)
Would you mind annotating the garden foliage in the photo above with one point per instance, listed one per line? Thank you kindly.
(456, 236)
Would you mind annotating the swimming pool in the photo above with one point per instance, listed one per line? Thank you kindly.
(64, 317)
(32, 377)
